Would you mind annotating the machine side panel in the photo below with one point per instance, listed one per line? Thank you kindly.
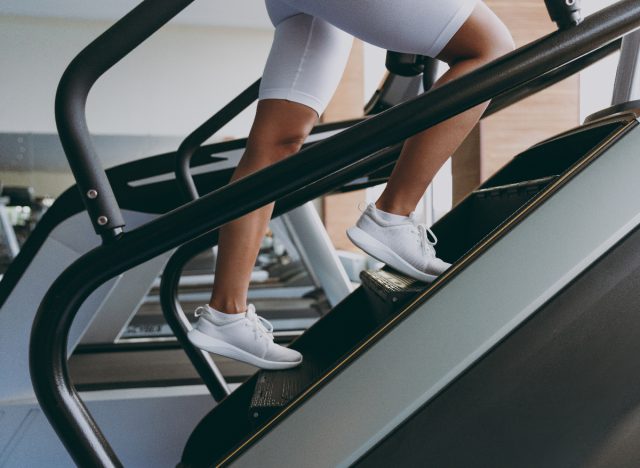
(478, 308)
(563, 390)
(68, 241)
(157, 423)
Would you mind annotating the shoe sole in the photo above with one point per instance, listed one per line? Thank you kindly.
(381, 252)
(222, 348)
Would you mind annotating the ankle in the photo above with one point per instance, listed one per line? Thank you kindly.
(393, 208)
(228, 306)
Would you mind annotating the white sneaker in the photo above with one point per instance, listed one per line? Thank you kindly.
(403, 245)
(245, 337)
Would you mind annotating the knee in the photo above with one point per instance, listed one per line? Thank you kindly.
(482, 39)
(276, 146)
(288, 143)
(495, 42)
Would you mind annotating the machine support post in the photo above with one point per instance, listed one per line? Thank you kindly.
(565, 13)
(627, 85)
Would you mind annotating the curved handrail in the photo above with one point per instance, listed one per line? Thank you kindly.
(175, 316)
(201, 134)
(179, 324)
(54, 390)
(171, 309)
(173, 313)
(71, 98)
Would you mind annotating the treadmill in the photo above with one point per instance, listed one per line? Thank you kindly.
(395, 357)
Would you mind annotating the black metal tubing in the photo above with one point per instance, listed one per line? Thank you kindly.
(71, 99)
(171, 308)
(549, 79)
(173, 313)
(54, 390)
(177, 320)
(196, 138)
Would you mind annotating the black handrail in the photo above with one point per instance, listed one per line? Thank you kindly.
(71, 99)
(549, 79)
(201, 134)
(179, 324)
(58, 397)
(172, 311)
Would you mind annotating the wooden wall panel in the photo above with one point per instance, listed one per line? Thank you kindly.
(502, 136)
(556, 109)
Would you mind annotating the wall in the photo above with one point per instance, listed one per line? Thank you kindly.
(165, 87)
(543, 115)
(561, 107)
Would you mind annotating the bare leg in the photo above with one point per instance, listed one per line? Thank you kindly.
(481, 39)
(279, 129)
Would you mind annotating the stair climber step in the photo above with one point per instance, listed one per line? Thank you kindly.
(386, 291)
(527, 187)
(390, 286)
(275, 389)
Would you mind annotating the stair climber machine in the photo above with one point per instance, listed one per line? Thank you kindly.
(521, 353)
(121, 354)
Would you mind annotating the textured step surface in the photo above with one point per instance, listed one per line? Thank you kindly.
(390, 286)
(275, 389)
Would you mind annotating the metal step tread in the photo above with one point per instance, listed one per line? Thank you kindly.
(275, 389)
(391, 286)
(532, 186)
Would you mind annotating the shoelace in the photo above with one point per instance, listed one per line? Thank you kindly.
(428, 245)
(260, 325)
(200, 311)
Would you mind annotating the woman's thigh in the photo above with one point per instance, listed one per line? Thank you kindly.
(307, 59)
(413, 26)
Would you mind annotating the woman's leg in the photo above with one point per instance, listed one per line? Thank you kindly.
(279, 129)
(303, 69)
(464, 33)
(229, 326)
(481, 39)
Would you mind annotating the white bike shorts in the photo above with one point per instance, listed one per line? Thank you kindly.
(313, 39)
